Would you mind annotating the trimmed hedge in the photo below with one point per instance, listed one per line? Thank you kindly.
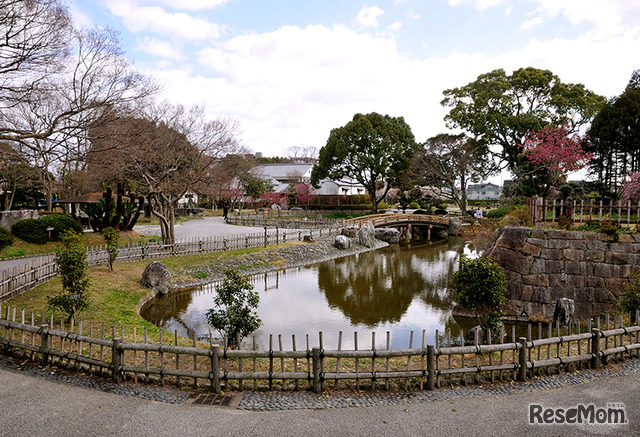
(60, 223)
(31, 230)
(35, 230)
(355, 207)
(6, 239)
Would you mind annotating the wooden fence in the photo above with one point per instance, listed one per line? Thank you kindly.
(316, 367)
(23, 277)
(42, 268)
(282, 222)
(582, 211)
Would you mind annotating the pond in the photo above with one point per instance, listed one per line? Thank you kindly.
(397, 289)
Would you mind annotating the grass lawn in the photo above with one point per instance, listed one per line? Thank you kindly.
(114, 295)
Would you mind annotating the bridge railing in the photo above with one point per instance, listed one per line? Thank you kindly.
(381, 219)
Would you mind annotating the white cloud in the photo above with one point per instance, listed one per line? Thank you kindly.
(368, 16)
(530, 24)
(157, 20)
(161, 49)
(477, 4)
(611, 17)
(395, 26)
(293, 85)
(185, 5)
(79, 17)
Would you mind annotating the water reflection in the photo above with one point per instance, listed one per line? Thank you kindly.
(396, 289)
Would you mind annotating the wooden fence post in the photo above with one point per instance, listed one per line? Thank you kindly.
(315, 357)
(595, 348)
(44, 345)
(522, 361)
(116, 360)
(215, 367)
(431, 367)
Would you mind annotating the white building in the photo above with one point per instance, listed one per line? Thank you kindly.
(283, 175)
(484, 191)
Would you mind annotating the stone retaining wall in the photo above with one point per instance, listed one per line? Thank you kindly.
(545, 265)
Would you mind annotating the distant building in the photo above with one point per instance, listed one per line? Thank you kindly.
(484, 191)
(283, 175)
(344, 187)
(189, 199)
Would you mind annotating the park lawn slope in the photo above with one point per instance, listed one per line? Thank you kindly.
(114, 295)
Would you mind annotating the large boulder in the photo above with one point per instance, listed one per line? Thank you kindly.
(157, 277)
(470, 336)
(564, 311)
(8, 218)
(390, 235)
(367, 235)
(351, 232)
(343, 242)
(455, 226)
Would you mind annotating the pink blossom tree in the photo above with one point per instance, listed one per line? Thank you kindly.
(304, 193)
(556, 152)
(631, 189)
(269, 198)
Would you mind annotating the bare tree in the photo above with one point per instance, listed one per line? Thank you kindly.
(34, 42)
(448, 163)
(56, 82)
(305, 154)
(167, 153)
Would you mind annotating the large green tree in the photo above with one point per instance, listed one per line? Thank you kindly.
(614, 136)
(498, 110)
(374, 149)
(447, 164)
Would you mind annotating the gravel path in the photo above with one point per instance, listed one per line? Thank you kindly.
(282, 400)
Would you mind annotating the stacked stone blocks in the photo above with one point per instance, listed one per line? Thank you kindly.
(545, 265)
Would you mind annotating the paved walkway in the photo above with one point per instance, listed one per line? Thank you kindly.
(200, 228)
(195, 228)
(52, 404)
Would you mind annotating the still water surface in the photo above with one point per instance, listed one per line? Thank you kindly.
(398, 289)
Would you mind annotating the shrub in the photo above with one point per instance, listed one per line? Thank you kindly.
(111, 237)
(6, 239)
(630, 299)
(60, 223)
(234, 312)
(413, 205)
(72, 266)
(31, 230)
(565, 222)
(480, 285)
(518, 216)
(609, 228)
(500, 211)
(442, 206)
(589, 226)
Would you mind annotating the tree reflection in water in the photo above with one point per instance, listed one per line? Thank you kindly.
(397, 289)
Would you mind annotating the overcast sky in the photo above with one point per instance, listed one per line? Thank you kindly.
(291, 70)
